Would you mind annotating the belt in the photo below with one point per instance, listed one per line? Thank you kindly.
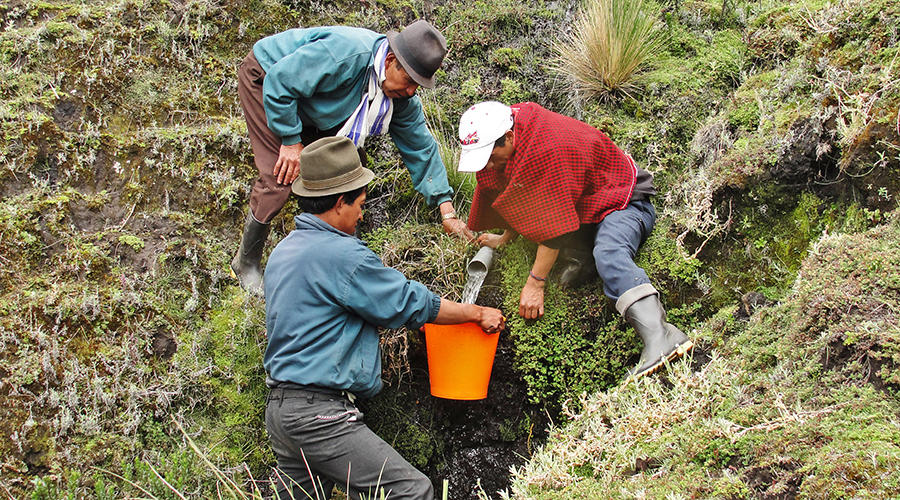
(327, 391)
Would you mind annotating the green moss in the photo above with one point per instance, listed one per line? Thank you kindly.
(394, 416)
(731, 487)
(471, 88)
(745, 115)
(508, 58)
(415, 443)
(132, 241)
(512, 92)
(55, 30)
(235, 389)
(513, 430)
(662, 259)
(476, 25)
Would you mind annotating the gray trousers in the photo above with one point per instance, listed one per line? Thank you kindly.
(619, 235)
(321, 441)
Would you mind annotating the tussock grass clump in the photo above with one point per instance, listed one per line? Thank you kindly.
(609, 43)
(424, 253)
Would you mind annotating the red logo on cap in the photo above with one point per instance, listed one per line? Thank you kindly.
(470, 139)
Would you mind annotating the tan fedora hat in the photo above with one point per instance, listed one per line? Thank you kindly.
(330, 166)
(421, 50)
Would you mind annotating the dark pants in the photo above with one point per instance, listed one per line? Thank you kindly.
(619, 235)
(267, 196)
(321, 441)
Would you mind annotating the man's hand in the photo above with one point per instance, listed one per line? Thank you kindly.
(492, 320)
(453, 313)
(458, 227)
(452, 224)
(287, 168)
(495, 240)
(490, 240)
(531, 301)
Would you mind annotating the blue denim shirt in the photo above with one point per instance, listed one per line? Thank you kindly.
(326, 296)
(317, 76)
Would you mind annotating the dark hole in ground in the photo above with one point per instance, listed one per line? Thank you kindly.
(776, 482)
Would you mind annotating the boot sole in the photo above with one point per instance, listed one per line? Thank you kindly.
(679, 351)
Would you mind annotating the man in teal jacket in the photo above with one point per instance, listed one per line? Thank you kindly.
(304, 84)
(326, 296)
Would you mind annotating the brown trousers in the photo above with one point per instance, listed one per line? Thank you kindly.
(267, 196)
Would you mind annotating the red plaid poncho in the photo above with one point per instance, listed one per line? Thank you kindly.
(563, 173)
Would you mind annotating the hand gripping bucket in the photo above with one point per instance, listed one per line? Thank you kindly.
(460, 358)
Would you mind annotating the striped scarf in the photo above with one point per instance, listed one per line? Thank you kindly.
(373, 115)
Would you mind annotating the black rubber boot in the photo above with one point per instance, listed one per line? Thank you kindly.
(246, 263)
(576, 267)
(663, 341)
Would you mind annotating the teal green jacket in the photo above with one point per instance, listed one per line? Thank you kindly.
(326, 296)
(315, 77)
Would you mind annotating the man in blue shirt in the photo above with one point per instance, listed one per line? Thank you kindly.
(303, 84)
(326, 296)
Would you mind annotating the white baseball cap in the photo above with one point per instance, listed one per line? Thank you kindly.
(480, 126)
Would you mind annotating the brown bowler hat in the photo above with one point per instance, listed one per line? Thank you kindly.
(330, 166)
(421, 50)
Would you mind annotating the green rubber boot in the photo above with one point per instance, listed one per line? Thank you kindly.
(663, 341)
(246, 263)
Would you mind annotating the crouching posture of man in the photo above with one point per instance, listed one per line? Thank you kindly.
(304, 84)
(554, 179)
(326, 296)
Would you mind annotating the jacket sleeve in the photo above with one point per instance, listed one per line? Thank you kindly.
(384, 297)
(310, 69)
(419, 150)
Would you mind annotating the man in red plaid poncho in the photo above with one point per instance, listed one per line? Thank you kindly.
(564, 185)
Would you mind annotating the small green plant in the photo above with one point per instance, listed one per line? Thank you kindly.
(578, 346)
(508, 58)
(471, 88)
(513, 92)
(132, 241)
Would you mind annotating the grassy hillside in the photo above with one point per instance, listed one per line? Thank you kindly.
(127, 353)
(796, 401)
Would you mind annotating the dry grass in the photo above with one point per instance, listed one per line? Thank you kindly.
(616, 425)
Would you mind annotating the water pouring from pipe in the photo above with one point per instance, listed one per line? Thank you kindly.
(477, 270)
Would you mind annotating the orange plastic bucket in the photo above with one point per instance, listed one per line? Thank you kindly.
(460, 358)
